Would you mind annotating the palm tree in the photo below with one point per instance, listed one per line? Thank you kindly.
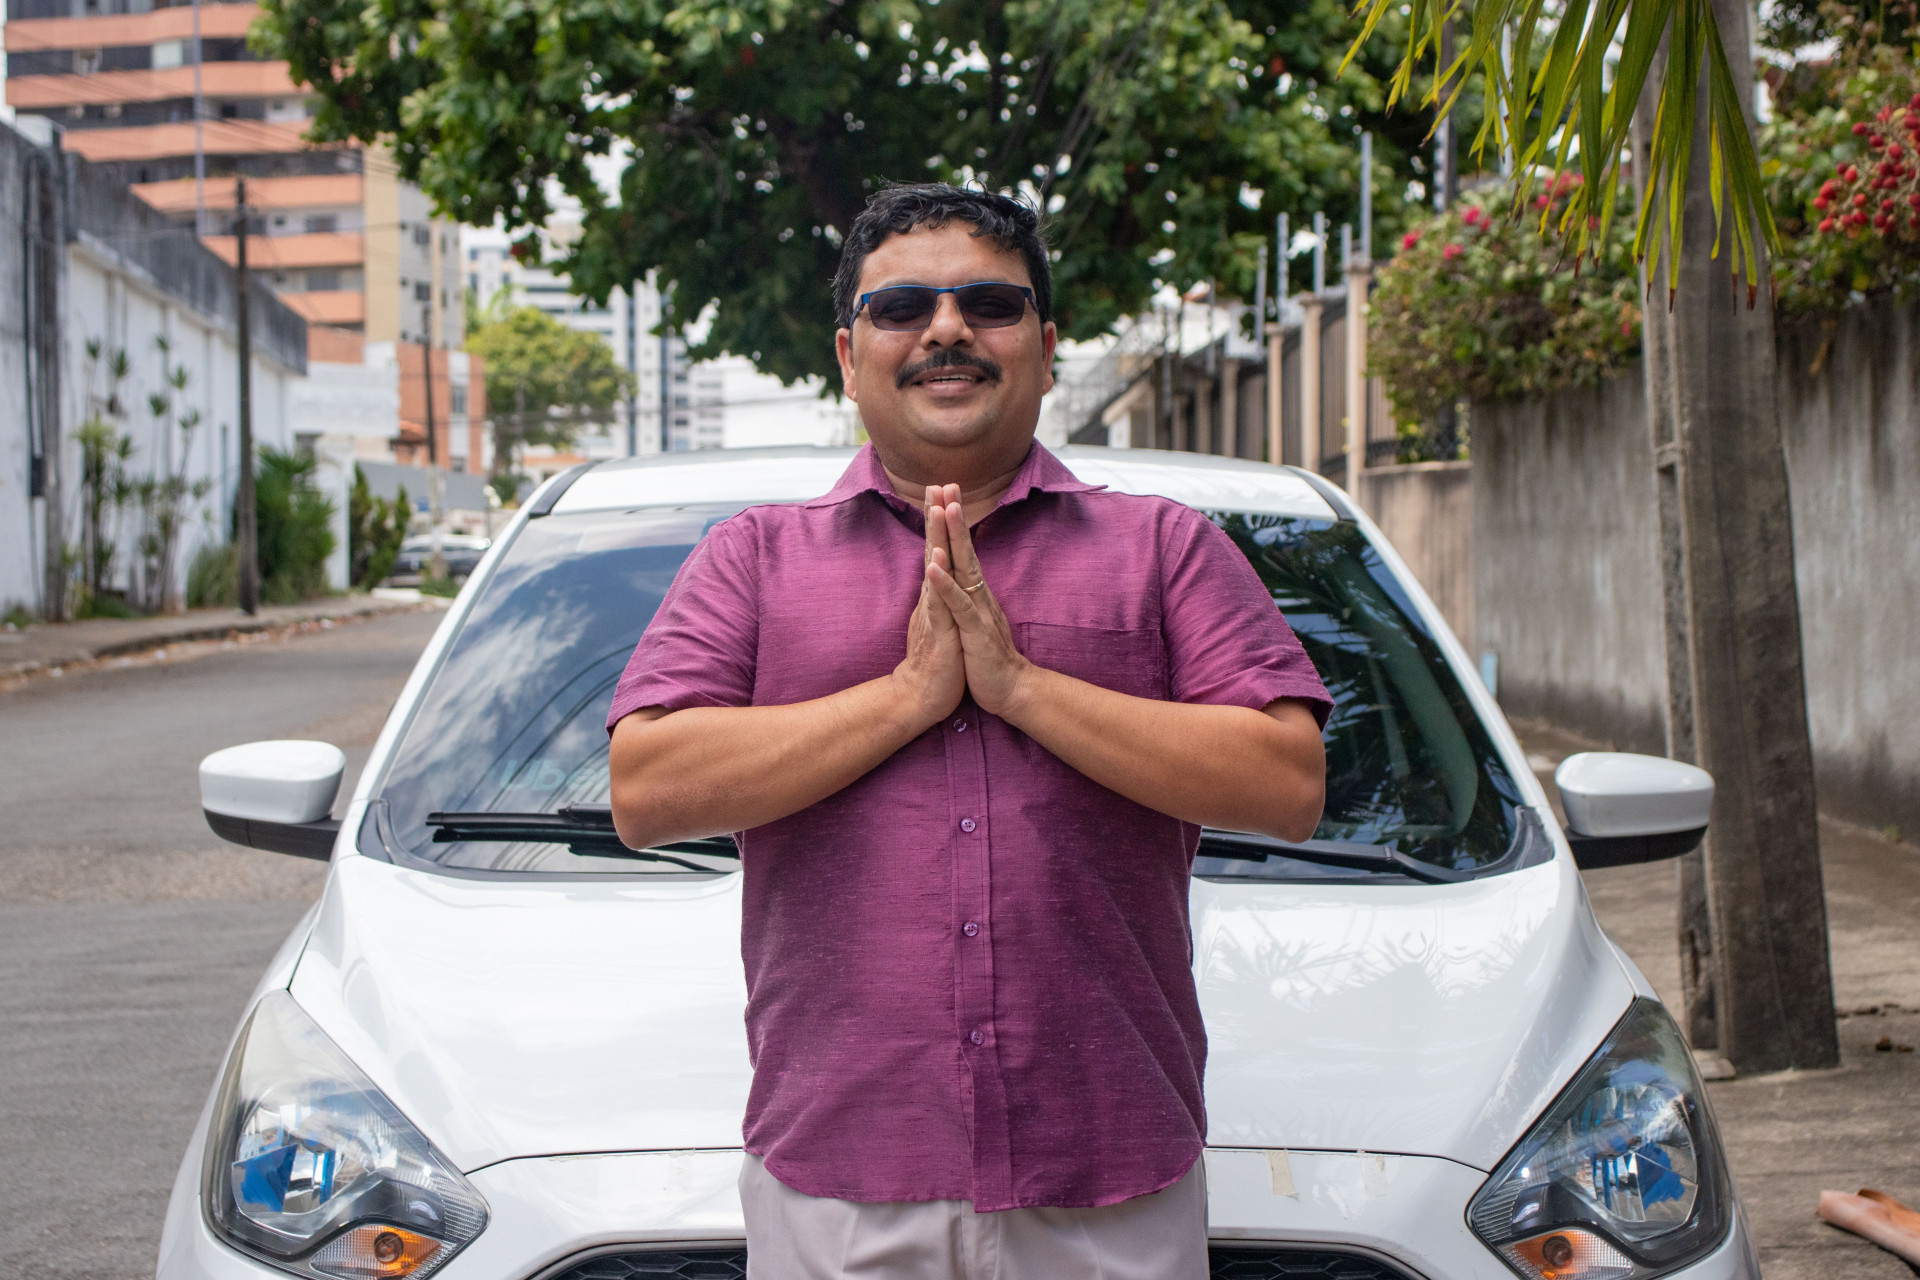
(1752, 919)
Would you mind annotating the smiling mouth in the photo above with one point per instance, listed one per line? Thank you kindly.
(948, 369)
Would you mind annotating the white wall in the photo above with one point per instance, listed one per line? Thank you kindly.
(107, 299)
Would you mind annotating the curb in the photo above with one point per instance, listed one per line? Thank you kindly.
(207, 629)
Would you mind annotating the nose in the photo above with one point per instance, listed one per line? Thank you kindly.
(949, 327)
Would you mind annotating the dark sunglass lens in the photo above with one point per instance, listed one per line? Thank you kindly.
(992, 306)
(905, 308)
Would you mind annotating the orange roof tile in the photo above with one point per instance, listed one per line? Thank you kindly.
(153, 141)
(217, 80)
(309, 191)
(217, 21)
(318, 249)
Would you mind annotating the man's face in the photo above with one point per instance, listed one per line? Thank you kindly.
(950, 386)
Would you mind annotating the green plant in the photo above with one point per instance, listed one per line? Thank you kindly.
(1480, 306)
(18, 616)
(213, 576)
(1844, 178)
(375, 529)
(446, 588)
(294, 528)
(105, 450)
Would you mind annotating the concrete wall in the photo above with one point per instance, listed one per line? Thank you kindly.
(1566, 571)
(1426, 511)
(129, 277)
(1566, 582)
(1853, 458)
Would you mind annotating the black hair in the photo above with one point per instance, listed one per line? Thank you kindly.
(898, 208)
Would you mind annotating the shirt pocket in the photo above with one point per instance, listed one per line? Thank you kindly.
(1126, 661)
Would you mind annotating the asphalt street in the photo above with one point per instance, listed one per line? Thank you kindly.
(130, 935)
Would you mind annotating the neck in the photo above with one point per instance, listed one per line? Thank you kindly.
(981, 484)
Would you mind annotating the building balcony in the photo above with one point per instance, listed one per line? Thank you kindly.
(156, 141)
(269, 253)
(342, 308)
(102, 88)
(178, 196)
(217, 22)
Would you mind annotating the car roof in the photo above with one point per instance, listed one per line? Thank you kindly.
(795, 474)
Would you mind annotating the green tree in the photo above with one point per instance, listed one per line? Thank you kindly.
(1162, 138)
(544, 381)
(295, 522)
(376, 527)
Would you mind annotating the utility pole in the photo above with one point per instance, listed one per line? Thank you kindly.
(1446, 159)
(1276, 339)
(436, 481)
(1359, 281)
(44, 243)
(244, 529)
(1755, 967)
(633, 369)
(666, 377)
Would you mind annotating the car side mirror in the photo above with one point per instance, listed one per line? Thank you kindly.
(274, 795)
(1623, 808)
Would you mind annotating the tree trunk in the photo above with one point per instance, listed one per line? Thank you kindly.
(1753, 924)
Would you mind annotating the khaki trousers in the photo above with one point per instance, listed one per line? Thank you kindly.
(791, 1236)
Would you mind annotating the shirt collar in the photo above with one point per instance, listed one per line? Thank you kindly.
(1040, 473)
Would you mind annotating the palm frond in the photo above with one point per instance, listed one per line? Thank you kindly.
(1570, 112)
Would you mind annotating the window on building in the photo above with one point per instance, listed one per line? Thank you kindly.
(458, 397)
(320, 223)
(423, 235)
(323, 278)
(229, 111)
(423, 293)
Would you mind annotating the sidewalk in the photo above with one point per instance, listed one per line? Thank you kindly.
(58, 644)
(1791, 1135)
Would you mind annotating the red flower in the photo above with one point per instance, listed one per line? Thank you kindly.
(1826, 224)
(1821, 202)
(1451, 252)
(1859, 200)
(1851, 174)
(1859, 128)
(1875, 142)
(1541, 202)
(1410, 239)
(1471, 217)
(1893, 148)
(1828, 187)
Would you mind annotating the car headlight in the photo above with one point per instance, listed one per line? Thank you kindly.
(311, 1168)
(1623, 1177)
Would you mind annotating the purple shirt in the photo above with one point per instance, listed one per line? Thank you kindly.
(969, 974)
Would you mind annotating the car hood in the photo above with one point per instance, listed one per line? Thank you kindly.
(512, 1019)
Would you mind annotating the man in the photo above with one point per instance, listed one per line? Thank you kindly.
(966, 715)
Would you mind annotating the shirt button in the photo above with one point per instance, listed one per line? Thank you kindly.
(970, 929)
(959, 726)
(976, 1037)
(967, 825)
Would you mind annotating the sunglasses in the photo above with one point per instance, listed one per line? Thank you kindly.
(909, 307)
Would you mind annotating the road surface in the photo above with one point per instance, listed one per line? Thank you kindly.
(130, 935)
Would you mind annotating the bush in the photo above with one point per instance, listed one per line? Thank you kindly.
(1479, 304)
(294, 526)
(213, 578)
(1843, 178)
(376, 528)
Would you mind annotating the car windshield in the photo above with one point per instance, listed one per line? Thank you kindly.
(513, 720)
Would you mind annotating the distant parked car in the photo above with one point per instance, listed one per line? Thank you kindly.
(504, 1046)
(462, 552)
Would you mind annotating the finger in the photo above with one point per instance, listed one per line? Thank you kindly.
(937, 533)
(959, 604)
(966, 565)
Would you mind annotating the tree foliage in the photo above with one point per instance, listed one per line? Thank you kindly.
(1477, 306)
(544, 380)
(376, 527)
(747, 134)
(293, 524)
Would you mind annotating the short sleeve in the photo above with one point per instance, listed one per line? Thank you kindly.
(1227, 643)
(699, 650)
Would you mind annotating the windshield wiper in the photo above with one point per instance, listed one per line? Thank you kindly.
(1247, 847)
(586, 830)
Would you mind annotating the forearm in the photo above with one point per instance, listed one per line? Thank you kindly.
(708, 770)
(1229, 767)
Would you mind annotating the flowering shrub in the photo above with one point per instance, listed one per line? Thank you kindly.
(1479, 305)
(1844, 181)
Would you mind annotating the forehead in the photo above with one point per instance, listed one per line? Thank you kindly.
(942, 256)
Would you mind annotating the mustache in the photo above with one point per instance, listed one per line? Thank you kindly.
(948, 358)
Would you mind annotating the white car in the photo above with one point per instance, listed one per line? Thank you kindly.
(501, 1046)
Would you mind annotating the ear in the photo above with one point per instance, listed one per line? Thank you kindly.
(1049, 339)
(843, 348)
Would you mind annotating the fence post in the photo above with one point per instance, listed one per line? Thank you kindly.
(1310, 383)
(1276, 338)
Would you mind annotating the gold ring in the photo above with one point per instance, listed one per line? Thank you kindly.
(975, 587)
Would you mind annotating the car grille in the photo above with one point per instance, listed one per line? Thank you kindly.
(1249, 1262)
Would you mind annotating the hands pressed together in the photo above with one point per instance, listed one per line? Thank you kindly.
(957, 638)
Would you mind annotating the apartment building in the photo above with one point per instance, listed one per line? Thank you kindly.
(711, 404)
(171, 101)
